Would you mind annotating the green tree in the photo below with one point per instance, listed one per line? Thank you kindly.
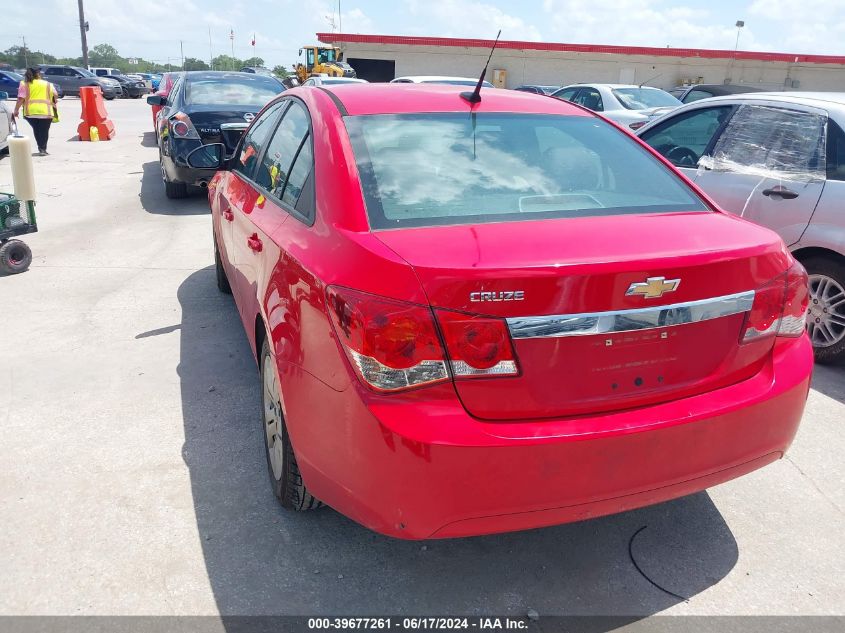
(227, 62)
(280, 71)
(253, 61)
(192, 63)
(106, 55)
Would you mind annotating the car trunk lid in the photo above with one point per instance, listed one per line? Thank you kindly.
(639, 299)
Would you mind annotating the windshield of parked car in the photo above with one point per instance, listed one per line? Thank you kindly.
(456, 168)
(237, 90)
(85, 72)
(12, 75)
(644, 98)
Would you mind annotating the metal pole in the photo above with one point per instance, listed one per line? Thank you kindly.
(339, 18)
(83, 34)
(232, 38)
(182, 54)
(25, 52)
(210, 51)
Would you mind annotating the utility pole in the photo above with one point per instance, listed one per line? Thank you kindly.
(182, 54)
(339, 18)
(25, 52)
(210, 51)
(83, 32)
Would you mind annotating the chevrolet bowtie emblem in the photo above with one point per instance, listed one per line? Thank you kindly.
(653, 287)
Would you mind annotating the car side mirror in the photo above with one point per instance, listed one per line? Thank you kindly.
(4, 96)
(211, 156)
(157, 100)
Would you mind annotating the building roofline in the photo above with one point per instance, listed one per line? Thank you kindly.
(702, 53)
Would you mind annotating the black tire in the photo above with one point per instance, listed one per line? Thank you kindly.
(15, 257)
(835, 353)
(289, 488)
(222, 280)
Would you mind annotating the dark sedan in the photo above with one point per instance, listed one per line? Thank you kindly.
(205, 107)
(696, 92)
(537, 89)
(132, 88)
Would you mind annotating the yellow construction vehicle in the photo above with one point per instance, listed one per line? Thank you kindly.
(322, 60)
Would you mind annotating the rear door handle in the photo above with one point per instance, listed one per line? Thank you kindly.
(783, 192)
(254, 243)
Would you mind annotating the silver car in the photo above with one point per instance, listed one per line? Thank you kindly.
(777, 159)
(627, 104)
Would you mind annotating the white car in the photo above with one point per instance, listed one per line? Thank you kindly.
(627, 104)
(440, 79)
(332, 81)
(5, 125)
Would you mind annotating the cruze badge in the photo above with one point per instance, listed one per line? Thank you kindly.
(504, 295)
(653, 287)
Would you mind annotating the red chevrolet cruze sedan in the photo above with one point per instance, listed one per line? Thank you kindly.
(474, 318)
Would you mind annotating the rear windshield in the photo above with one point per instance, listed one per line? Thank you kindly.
(237, 90)
(644, 98)
(456, 168)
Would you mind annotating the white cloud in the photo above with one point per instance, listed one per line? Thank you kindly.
(454, 18)
(817, 27)
(642, 23)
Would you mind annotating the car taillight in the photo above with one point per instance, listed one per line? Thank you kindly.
(391, 345)
(780, 307)
(181, 126)
(477, 346)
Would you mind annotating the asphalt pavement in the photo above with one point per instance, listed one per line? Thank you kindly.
(133, 480)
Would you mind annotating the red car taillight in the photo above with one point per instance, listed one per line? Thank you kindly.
(780, 307)
(181, 126)
(478, 346)
(394, 345)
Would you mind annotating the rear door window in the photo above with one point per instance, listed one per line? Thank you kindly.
(287, 163)
(697, 95)
(590, 99)
(450, 168)
(684, 138)
(772, 142)
(568, 94)
(255, 139)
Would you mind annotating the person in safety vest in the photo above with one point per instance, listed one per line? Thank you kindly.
(37, 97)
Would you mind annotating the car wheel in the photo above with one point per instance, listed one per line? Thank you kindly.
(826, 314)
(15, 257)
(281, 461)
(173, 190)
(222, 280)
(109, 98)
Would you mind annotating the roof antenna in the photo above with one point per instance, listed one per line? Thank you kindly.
(475, 95)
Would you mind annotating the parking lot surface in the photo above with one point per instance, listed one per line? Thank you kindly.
(134, 479)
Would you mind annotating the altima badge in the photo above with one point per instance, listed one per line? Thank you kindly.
(249, 116)
(653, 287)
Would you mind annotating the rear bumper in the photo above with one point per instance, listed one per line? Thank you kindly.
(422, 468)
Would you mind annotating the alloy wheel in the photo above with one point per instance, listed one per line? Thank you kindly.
(826, 315)
(273, 418)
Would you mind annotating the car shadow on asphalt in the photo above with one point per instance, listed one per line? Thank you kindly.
(148, 139)
(264, 560)
(154, 201)
(830, 380)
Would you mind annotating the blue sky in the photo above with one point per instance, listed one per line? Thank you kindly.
(153, 28)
